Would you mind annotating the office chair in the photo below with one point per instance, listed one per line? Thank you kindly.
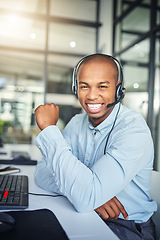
(155, 195)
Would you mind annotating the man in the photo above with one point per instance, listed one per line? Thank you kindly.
(103, 159)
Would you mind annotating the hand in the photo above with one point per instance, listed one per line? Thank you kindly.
(46, 115)
(112, 209)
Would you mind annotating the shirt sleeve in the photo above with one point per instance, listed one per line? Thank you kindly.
(44, 177)
(88, 188)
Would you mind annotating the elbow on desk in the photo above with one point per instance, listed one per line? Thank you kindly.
(83, 207)
(85, 201)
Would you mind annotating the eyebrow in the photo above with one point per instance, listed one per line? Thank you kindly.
(105, 82)
(80, 82)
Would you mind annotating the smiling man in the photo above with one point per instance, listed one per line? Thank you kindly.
(103, 158)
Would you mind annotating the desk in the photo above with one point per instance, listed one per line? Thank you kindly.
(78, 226)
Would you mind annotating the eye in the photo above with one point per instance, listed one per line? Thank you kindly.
(103, 86)
(83, 86)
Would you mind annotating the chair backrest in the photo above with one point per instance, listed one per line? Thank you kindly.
(155, 195)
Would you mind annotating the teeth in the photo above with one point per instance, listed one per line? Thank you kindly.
(94, 106)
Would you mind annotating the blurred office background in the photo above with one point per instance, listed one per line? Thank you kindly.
(42, 40)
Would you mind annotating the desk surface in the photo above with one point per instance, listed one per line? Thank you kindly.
(78, 226)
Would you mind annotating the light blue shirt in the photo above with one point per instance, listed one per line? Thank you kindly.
(74, 163)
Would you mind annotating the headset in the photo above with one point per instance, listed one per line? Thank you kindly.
(120, 90)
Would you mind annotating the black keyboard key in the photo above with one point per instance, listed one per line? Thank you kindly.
(24, 199)
(18, 186)
(10, 200)
(16, 200)
(24, 186)
(3, 184)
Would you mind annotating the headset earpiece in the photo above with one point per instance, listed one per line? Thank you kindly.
(74, 80)
(120, 92)
(74, 75)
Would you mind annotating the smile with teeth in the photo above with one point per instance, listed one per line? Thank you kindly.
(94, 107)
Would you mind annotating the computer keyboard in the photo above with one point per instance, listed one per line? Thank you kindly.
(13, 191)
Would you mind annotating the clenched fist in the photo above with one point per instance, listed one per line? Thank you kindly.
(46, 115)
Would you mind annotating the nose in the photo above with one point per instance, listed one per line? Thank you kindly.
(92, 94)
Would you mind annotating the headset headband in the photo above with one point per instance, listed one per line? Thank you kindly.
(75, 70)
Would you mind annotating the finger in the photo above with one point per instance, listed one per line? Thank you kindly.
(121, 208)
(102, 213)
(52, 105)
(57, 108)
(109, 210)
(112, 210)
(37, 108)
(41, 107)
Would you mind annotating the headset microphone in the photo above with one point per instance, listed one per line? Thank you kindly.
(112, 104)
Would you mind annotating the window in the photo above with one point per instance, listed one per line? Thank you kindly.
(136, 44)
(40, 43)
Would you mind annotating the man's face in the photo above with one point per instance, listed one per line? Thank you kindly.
(96, 89)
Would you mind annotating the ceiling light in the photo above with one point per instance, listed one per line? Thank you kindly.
(136, 85)
(33, 35)
(13, 19)
(72, 44)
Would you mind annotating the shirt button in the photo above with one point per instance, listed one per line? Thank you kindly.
(102, 132)
(39, 146)
(87, 159)
(53, 174)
